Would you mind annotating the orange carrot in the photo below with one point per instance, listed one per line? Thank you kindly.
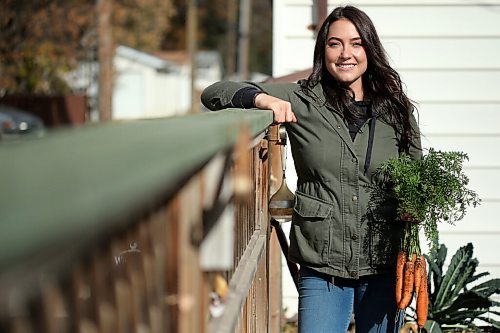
(418, 273)
(408, 282)
(422, 299)
(400, 265)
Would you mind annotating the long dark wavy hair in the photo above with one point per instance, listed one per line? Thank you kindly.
(381, 83)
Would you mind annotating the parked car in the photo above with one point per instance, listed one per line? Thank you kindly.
(15, 122)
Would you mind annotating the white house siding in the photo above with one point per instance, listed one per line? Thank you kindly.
(447, 54)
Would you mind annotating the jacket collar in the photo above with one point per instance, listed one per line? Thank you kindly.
(318, 99)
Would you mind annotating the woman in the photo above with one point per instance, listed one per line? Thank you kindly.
(343, 122)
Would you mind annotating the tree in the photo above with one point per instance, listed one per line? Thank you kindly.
(40, 40)
(141, 24)
(261, 41)
(213, 28)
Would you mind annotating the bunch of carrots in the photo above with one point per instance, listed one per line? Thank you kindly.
(428, 190)
(411, 275)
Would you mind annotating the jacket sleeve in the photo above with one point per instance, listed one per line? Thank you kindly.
(220, 95)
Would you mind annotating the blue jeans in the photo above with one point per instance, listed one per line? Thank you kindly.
(327, 308)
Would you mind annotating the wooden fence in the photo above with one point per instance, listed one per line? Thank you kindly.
(147, 226)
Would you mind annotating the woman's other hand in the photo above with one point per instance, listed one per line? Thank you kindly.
(282, 110)
(408, 218)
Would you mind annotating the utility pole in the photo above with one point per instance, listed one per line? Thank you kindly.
(232, 11)
(192, 28)
(322, 12)
(105, 57)
(244, 38)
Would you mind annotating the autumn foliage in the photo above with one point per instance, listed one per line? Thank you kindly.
(40, 40)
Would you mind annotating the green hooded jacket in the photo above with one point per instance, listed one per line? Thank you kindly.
(342, 225)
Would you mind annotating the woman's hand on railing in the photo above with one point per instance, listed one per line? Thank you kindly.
(282, 110)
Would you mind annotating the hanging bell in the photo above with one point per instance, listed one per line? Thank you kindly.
(281, 203)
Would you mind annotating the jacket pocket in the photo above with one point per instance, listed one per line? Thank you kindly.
(307, 206)
(310, 233)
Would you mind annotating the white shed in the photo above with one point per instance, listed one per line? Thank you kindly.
(148, 86)
(447, 54)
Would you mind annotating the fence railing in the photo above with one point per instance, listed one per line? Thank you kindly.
(138, 226)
